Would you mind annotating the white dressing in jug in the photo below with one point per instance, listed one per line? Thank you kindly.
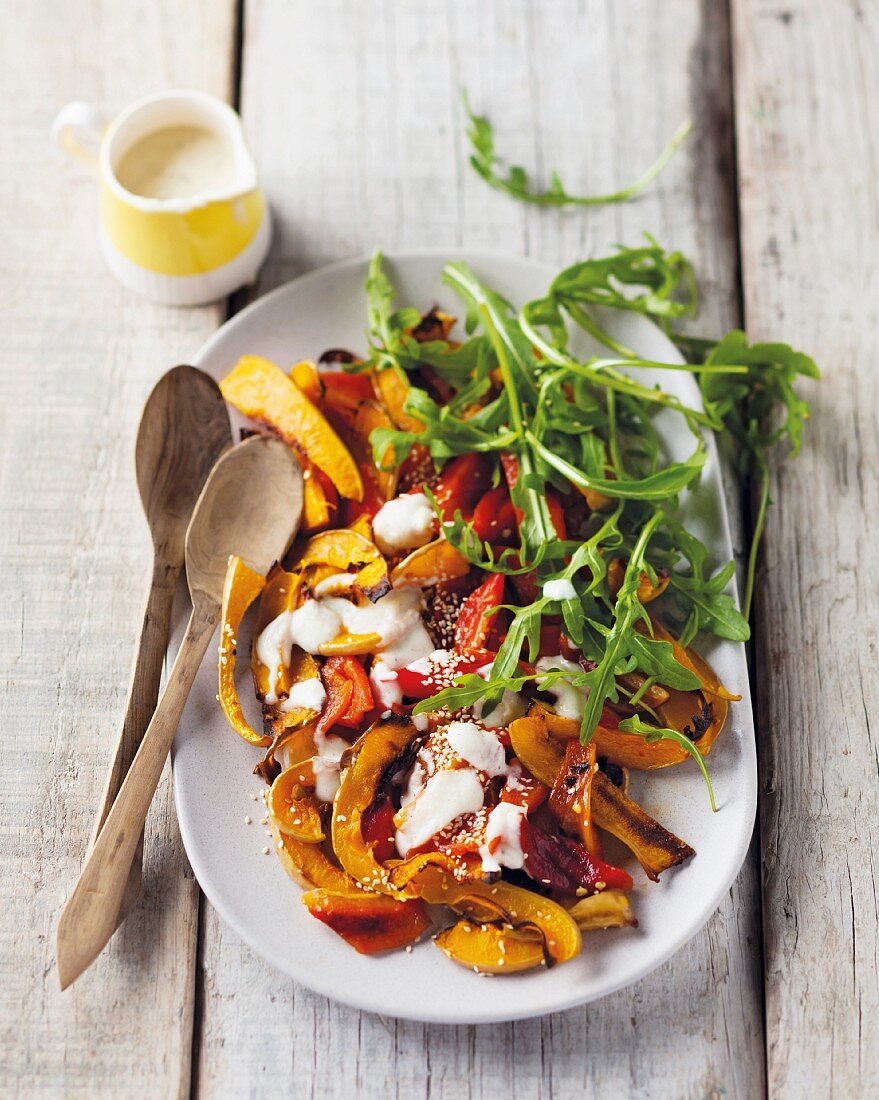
(177, 162)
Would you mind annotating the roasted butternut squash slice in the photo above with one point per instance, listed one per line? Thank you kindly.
(316, 511)
(242, 586)
(523, 907)
(281, 593)
(260, 389)
(647, 590)
(292, 810)
(542, 754)
(430, 564)
(414, 869)
(346, 645)
(340, 551)
(369, 416)
(490, 902)
(307, 377)
(597, 501)
(293, 740)
(628, 750)
(309, 865)
(492, 948)
(690, 659)
(655, 848)
(373, 756)
(394, 388)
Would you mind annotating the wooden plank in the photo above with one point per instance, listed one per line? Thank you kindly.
(78, 357)
(810, 238)
(365, 147)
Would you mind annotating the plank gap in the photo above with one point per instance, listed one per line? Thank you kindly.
(235, 302)
(198, 998)
(747, 498)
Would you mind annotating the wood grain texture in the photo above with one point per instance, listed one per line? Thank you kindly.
(810, 239)
(353, 113)
(79, 356)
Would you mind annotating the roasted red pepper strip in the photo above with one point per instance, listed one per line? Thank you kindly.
(554, 641)
(425, 678)
(525, 587)
(528, 792)
(462, 483)
(377, 827)
(349, 695)
(369, 922)
(372, 499)
(571, 797)
(361, 693)
(525, 584)
(347, 391)
(494, 517)
(556, 513)
(474, 621)
(562, 864)
(510, 465)
(339, 691)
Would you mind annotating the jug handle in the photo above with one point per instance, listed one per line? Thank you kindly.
(77, 131)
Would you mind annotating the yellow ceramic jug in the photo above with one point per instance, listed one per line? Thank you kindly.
(183, 220)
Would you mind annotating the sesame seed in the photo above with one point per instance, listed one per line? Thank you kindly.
(247, 819)
(265, 851)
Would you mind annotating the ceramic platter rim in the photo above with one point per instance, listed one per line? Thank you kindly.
(211, 767)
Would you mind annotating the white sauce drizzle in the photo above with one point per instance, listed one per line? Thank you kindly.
(504, 825)
(569, 700)
(395, 618)
(560, 588)
(309, 693)
(446, 795)
(478, 747)
(511, 707)
(326, 765)
(385, 687)
(403, 523)
(334, 585)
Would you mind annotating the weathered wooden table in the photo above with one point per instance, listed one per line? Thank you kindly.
(353, 113)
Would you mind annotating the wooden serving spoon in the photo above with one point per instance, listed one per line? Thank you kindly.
(251, 505)
(183, 430)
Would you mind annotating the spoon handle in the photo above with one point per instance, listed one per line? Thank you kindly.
(143, 694)
(90, 916)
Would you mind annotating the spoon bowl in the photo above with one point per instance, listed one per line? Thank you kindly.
(251, 506)
(183, 430)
